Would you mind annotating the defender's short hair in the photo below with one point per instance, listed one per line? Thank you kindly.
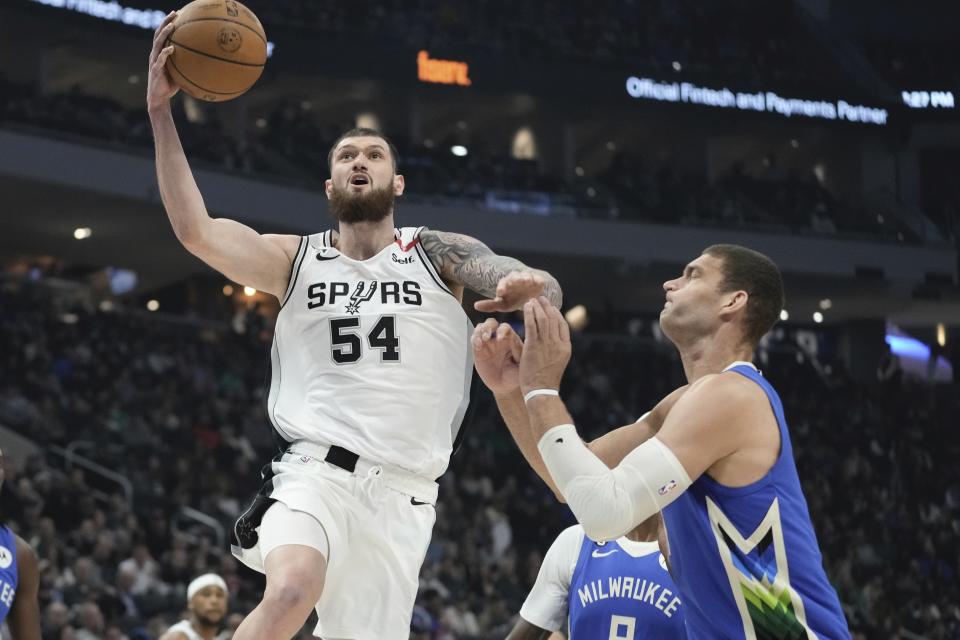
(751, 271)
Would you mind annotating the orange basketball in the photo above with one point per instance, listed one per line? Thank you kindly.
(219, 49)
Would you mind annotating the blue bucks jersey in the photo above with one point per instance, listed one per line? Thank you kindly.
(8, 571)
(614, 595)
(746, 559)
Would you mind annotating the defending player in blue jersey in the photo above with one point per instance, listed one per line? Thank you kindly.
(718, 463)
(619, 589)
(19, 582)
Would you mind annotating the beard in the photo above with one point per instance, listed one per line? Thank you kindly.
(373, 206)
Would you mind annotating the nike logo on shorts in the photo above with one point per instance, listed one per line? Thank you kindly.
(596, 553)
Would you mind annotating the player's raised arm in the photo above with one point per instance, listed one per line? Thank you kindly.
(496, 356)
(507, 282)
(609, 502)
(233, 249)
(497, 350)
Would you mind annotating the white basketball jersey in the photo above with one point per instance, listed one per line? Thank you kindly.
(186, 629)
(371, 355)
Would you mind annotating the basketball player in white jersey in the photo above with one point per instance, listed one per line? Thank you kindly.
(370, 372)
(207, 604)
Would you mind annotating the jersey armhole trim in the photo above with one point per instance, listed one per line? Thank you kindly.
(428, 265)
(295, 269)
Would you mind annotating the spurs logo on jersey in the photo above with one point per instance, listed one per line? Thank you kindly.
(372, 355)
(359, 296)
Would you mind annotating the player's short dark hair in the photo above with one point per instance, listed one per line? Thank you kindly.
(358, 132)
(748, 270)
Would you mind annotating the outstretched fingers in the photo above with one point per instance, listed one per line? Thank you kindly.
(559, 329)
(165, 53)
(530, 321)
(160, 36)
(545, 327)
(489, 306)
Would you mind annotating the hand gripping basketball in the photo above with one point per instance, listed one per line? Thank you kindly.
(160, 87)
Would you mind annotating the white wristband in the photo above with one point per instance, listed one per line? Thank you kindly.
(539, 392)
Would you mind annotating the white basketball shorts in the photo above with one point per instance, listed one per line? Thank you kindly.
(378, 523)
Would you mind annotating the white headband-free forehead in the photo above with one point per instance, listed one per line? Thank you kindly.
(204, 581)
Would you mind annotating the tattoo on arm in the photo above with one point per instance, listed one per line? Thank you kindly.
(471, 263)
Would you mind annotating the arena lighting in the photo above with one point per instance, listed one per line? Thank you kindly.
(915, 358)
(524, 145)
(458, 150)
(82, 233)
(121, 280)
(249, 291)
(577, 317)
(826, 303)
(367, 120)
(941, 334)
(909, 347)
(153, 305)
(106, 306)
(764, 101)
(817, 317)
(228, 289)
(113, 11)
(784, 316)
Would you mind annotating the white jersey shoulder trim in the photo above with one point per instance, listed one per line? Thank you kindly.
(295, 269)
(428, 262)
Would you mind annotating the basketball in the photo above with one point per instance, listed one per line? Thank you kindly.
(219, 49)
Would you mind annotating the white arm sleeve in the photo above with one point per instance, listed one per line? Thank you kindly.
(611, 502)
(546, 605)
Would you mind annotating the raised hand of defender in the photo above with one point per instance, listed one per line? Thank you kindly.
(546, 346)
(160, 87)
(513, 290)
(496, 355)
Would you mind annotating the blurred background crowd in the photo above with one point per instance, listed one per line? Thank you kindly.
(174, 405)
